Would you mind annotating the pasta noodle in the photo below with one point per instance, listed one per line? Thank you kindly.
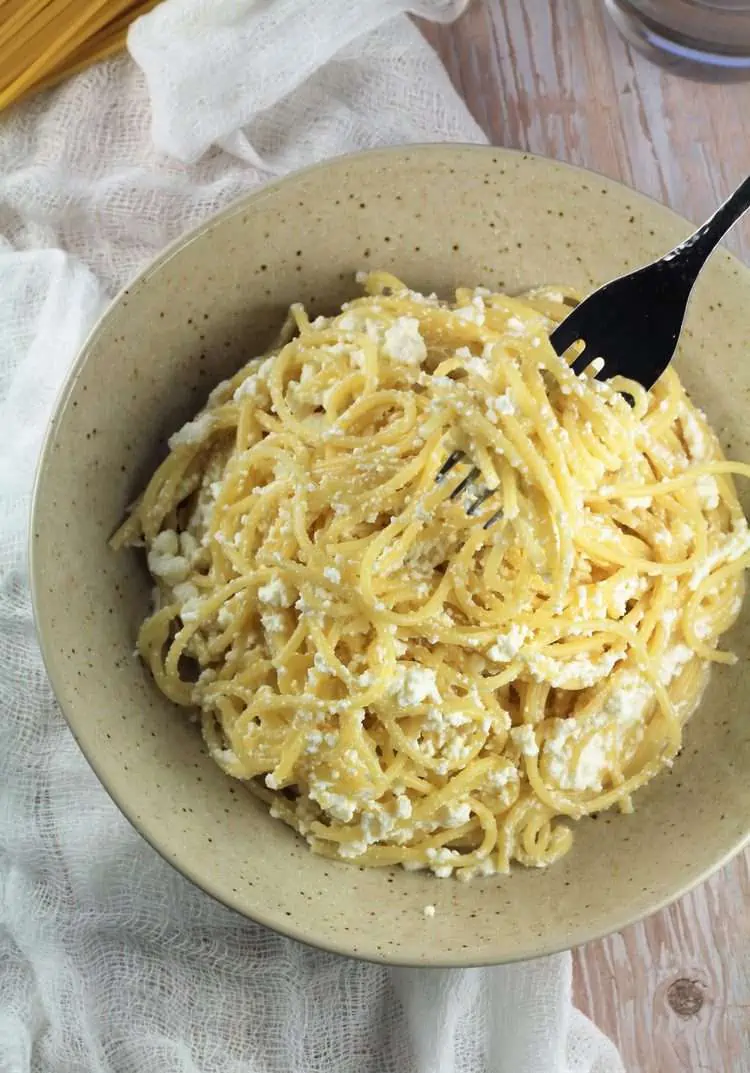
(45, 41)
(432, 672)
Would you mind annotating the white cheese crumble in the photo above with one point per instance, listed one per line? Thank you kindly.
(188, 546)
(474, 312)
(497, 780)
(403, 342)
(190, 611)
(442, 861)
(591, 764)
(673, 660)
(603, 733)
(737, 544)
(194, 431)
(414, 684)
(275, 593)
(623, 592)
(272, 622)
(708, 492)
(695, 440)
(429, 911)
(185, 591)
(165, 560)
(339, 806)
(525, 738)
(332, 574)
(455, 815)
(485, 867)
(508, 645)
(500, 404)
(478, 366)
(247, 389)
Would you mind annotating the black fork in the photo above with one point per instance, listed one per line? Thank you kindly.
(633, 323)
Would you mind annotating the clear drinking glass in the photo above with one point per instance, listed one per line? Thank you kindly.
(708, 39)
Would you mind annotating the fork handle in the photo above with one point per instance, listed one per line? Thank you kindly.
(692, 253)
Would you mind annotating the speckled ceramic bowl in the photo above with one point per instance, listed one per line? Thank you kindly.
(437, 216)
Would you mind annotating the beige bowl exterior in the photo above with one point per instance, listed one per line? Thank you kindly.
(438, 217)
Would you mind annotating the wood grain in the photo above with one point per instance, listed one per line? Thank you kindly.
(554, 77)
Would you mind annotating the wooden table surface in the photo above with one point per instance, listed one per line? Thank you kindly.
(553, 77)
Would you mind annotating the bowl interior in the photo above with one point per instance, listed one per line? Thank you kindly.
(438, 217)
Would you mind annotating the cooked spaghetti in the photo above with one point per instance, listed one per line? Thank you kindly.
(406, 677)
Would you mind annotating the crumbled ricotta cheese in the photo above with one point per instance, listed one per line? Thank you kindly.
(473, 312)
(190, 611)
(185, 591)
(708, 492)
(275, 593)
(442, 861)
(376, 823)
(457, 719)
(339, 806)
(477, 366)
(500, 404)
(348, 850)
(403, 342)
(166, 543)
(525, 739)
(414, 684)
(423, 299)
(508, 645)
(736, 545)
(247, 389)
(332, 574)
(623, 592)
(693, 434)
(455, 815)
(591, 765)
(497, 780)
(485, 867)
(272, 622)
(673, 660)
(188, 546)
(429, 911)
(603, 733)
(194, 431)
(164, 558)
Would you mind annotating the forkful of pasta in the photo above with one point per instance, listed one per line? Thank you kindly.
(630, 328)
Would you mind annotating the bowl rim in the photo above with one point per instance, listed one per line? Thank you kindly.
(581, 935)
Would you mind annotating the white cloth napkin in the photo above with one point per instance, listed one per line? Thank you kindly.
(110, 962)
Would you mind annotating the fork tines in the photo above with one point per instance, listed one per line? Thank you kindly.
(453, 459)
